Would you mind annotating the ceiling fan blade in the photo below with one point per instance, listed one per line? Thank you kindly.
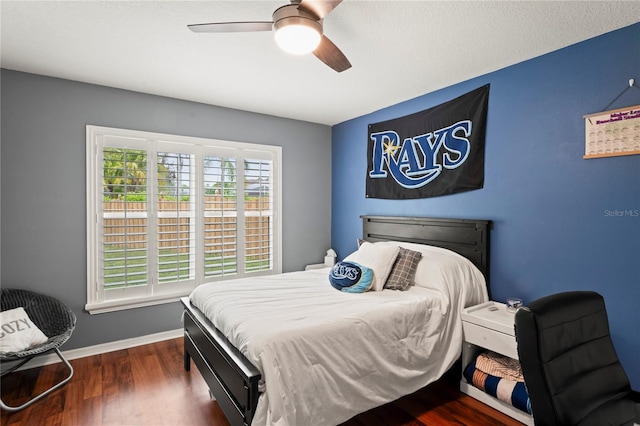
(329, 53)
(231, 27)
(320, 8)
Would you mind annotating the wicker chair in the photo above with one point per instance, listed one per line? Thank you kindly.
(53, 318)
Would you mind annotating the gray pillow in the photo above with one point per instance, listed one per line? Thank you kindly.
(404, 270)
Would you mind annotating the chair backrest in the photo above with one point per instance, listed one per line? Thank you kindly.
(569, 363)
(49, 314)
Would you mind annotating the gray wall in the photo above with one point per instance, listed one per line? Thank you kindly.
(43, 186)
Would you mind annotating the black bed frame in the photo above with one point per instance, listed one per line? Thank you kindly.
(233, 380)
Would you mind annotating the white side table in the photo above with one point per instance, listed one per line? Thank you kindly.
(316, 266)
(489, 326)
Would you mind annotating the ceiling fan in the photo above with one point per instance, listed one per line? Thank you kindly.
(297, 27)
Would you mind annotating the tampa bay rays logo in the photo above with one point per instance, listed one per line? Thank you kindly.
(413, 162)
(346, 270)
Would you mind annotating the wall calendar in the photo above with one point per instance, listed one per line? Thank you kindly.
(612, 133)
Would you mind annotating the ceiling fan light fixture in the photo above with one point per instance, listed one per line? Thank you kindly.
(296, 31)
(298, 39)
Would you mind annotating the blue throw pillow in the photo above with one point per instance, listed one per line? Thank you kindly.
(351, 277)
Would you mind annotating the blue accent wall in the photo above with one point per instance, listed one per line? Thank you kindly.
(560, 222)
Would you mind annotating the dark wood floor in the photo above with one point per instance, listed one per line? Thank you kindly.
(147, 385)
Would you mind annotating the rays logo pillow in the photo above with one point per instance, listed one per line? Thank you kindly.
(351, 277)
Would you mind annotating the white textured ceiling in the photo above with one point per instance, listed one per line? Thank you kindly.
(399, 49)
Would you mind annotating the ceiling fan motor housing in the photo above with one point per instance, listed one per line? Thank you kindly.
(291, 15)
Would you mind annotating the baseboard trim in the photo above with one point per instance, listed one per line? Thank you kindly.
(104, 348)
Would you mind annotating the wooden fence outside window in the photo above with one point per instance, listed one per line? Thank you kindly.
(174, 224)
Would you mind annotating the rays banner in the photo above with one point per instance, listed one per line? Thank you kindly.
(434, 152)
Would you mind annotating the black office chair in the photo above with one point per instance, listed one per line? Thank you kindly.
(569, 364)
(53, 318)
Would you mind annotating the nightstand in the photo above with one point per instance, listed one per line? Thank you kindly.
(489, 326)
(316, 266)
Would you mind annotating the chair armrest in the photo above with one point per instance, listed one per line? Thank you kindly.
(635, 396)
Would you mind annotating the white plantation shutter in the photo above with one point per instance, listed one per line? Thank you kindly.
(175, 199)
(124, 235)
(258, 214)
(220, 216)
(167, 213)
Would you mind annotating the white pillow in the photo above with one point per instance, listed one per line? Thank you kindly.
(18, 332)
(378, 257)
(438, 265)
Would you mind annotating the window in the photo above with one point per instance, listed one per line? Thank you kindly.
(167, 213)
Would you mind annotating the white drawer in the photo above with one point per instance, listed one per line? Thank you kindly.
(490, 339)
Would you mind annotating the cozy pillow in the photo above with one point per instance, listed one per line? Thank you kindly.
(404, 270)
(351, 277)
(18, 332)
(380, 258)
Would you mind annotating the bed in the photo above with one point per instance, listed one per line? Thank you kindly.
(286, 370)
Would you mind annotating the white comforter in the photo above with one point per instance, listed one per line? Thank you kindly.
(326, 355)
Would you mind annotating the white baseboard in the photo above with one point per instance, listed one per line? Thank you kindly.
(104, 348)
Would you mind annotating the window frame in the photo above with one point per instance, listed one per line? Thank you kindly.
(200, 147)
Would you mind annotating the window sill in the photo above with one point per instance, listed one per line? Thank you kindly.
(123, 304)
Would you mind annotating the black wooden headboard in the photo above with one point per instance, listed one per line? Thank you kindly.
(467, 237)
